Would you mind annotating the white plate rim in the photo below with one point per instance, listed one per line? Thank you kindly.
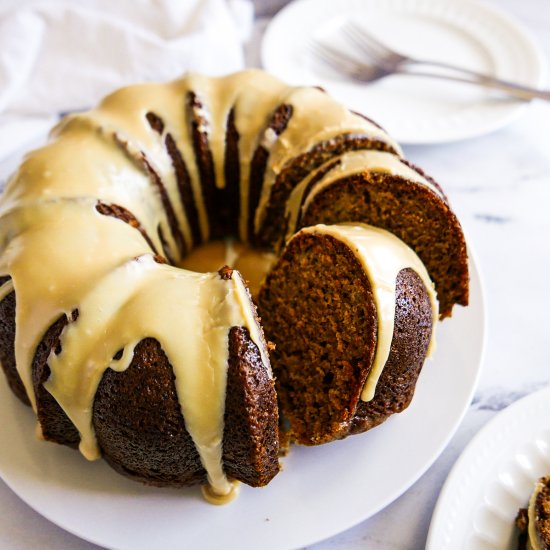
(277, 24)
(510, 421)
(295, 539)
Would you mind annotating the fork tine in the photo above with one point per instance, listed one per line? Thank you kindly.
(366, 41)
(334, 58)
(373, 55)
(346, 64)
(373, 49)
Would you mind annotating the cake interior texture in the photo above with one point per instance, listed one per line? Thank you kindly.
(319, 311)
(403, 208)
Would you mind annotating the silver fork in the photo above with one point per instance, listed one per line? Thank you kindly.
(383, 61)
(346, 64)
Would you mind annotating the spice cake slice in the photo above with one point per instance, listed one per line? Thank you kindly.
(381, 189)
(350, 310)
(533, 522)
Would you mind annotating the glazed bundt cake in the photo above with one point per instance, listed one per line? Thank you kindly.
(164, 371)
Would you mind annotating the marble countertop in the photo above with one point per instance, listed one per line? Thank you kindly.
(499, 185)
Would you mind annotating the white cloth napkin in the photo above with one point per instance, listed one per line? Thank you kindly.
(64, 55)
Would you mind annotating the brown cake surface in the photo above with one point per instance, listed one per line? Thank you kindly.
(270, 232)
(157, 449)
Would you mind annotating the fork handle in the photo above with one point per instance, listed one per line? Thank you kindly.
(473, 77)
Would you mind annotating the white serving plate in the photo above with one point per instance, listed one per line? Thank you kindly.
(493, 478)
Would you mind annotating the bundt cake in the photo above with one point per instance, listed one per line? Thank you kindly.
(164, 371)
(534, 522)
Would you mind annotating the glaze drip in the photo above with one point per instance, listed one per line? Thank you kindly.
(382, 256)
